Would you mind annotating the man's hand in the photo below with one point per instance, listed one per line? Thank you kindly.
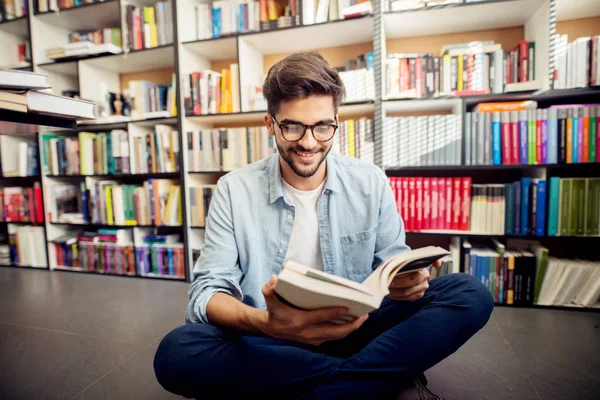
(311, 327)
(412, 286)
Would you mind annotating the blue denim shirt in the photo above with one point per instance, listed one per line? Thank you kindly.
(250, 222)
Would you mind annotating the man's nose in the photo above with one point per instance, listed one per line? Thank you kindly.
(308, 141)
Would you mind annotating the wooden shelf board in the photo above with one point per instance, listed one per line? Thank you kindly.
(16, 26)
(576, 9)
(316, 36)
(85, 17)
(250, 117)
(472, 17)
(224, 48)
(136, 61)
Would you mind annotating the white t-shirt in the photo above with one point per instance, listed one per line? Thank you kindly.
(305, 246)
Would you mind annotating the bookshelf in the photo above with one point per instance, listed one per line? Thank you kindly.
(425, 30)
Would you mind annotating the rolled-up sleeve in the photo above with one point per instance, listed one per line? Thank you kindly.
(217, 269)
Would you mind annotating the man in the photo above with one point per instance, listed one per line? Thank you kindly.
(330, 212)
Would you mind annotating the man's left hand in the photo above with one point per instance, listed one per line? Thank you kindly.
(412, 286)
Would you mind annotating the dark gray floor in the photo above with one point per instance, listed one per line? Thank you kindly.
(78, 336)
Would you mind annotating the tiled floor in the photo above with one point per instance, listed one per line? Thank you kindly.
(78, 336)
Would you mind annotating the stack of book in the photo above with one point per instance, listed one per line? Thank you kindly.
(576, 64)
(450, 262)
(359, 84)
(518, 133)
(98, 36)
(434, 203)
(525, 274)
(211, 92)
(20, 204)
(355, 138)
(148, 26)
(523, 210)
(90, 153)
(200, 197)
(152, 100)
(276, 14)
(228, 17)
(228, 149)
(574, 207)
(83, 48)
(161, 256)
(425, 140)
(11, 9)
(156, 202)
(19, 156)
(463, 69)
(55, 5)
(156, 151)
(27, 245)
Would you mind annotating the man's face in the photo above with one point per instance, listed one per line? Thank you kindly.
(306, 155)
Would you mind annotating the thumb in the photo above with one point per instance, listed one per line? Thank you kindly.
(268, 289)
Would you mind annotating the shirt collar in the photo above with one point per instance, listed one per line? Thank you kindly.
(276, 186)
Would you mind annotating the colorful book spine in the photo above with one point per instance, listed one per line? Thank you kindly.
(553, 210)
(496, 139)
(523, 146)
(525, 204)
(540, 225)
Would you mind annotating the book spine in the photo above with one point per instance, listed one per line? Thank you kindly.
(586, 136)
(580, 203)
(538, 137)
(540, 227)
(448, 209)
(514, 137)
(456, 204)
(441, 203)
(419, 204)
(496, 139)
(592, 134)
(544, 145)
(435, 195)
(466, 203)
(426, 222)
(565, 206)
(552, 150)
(554, 193)
(523, 137)
(593, 213)
(580, 135)
(405, 202)
(531, 135)
(525, 195)
(412, 202)
(562, 136)
(569, 137)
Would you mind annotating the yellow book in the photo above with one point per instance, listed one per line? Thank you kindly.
(223, 91)
(109, 209)
(460, 72)
(510, 293)
(446, 65)
(569, 137)
(153, 28)
(229, 92)
(172, 139)
(351, 142)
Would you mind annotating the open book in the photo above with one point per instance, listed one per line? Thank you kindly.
(308, 288)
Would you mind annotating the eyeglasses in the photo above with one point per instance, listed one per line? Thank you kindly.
(294, 132)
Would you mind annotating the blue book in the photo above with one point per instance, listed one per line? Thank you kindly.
(523, 132)
(171, 261)
(473, 265)
(496, 139)
(554, 194)
(517, 197)
(242, 17)
(370, 60)
(84, 203)
(540, 217)
(525, 207)
(552, 136)
(216, 28)
(509, 217)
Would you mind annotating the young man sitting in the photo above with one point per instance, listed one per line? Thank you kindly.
(326, 211)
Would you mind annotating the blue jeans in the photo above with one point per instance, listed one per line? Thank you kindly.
(399, 340)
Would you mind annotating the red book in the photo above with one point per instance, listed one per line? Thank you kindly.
(419, 204)
(31, 206)
(506, 137)
(412, 193)
(523, 67)
(39, 209)
(59, 255)
(441, 202)
(448, 208)
(456, 203)
(508, 72)
(404, 75)
(426, 223)
(398, 192)
(514, 142)
(538, 141)
(466, 204)
(435, 211)
(405, 203)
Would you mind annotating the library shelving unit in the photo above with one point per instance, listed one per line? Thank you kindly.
(15, 39)
(424, 30)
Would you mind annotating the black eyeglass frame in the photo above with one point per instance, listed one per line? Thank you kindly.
(306, 127)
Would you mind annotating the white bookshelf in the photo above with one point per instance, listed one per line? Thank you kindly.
(12, 34)
(254, 52)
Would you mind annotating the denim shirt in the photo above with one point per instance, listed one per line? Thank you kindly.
(250, 221)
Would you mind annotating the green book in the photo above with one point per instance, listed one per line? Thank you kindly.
(509, 218)
(592, 226)
(541, 261)
(531, 140)
(47, 153)
(576, 219)
(593, 117)
(554, 196)
(531, 61)
(565, 205)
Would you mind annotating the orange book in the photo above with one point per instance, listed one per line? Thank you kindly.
(229, 93)
(156, 200)
(569, 138)
(586, 135)
(509, 106)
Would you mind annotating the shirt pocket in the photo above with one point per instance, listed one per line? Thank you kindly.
(358, 252)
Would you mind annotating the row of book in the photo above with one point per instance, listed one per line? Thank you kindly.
(211, 92)
(359, 84)
(424, 140)
(518, 133)
(154, 151)
(228, 149)
(576, 64)
(463, 69)
(156, 202)
(574, 207)
(97, 36)
(434, 203)
(27, 246)
(55, 5)
(355, 138)
(227, 17)
(149, 99)
(22, 204)
(19, 156)
(200, 197)
(522, 273)
(148, 26)
(11, 9)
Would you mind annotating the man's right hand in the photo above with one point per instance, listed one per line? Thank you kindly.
(311, 327)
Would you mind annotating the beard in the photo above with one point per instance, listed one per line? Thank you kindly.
(301, 169)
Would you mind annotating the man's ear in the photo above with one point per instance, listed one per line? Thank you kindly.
(269, 124)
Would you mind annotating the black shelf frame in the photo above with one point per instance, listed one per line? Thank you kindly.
(24, 17)
(22, 223)
(32, 122)
(150, 175)
(106, 226)
(67, 9)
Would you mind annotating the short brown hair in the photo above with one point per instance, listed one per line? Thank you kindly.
(300, 75)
